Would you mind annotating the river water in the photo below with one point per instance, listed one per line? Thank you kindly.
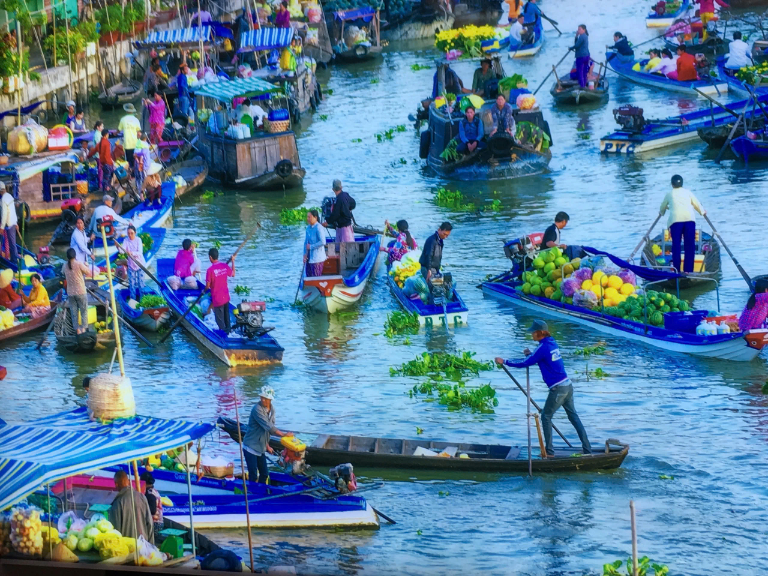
(702, 422)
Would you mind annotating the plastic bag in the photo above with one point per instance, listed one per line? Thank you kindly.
(593, 262)
(585, 299)
(583, 274)
(5, 533)
(26, 531)
(628, 277)
(570, 286)
(149, 555)
(174, 282)
(70, 522)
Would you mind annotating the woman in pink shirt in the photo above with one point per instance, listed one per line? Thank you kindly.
(183, 265)
(283, 17)
(156, 107)
(756, 311)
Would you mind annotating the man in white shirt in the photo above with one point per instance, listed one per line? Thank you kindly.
(517, 30)
(79, 242)
(738, 53)
(10, 222)
(105, 210)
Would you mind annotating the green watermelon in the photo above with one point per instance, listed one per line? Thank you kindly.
(657, 319)
(673, 302)
(527, 288)
(652, 293)
(667, 296)
(664, 309)
(683, 305)
(651, 309)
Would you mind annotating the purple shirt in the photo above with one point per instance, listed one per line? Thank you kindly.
(752, 319)
(156, 112)
(283, 19)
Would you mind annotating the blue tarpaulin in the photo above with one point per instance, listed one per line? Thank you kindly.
(365, 14)
(265, 39)
(649, 274)
(36, 453)
(178, 36)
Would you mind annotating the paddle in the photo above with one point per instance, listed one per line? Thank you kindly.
(120, 318)
(731, 134)
(139, 264)
(645, 238)
(534, 404)
(550, 72)
(47, 330)
(301, 278)
(647, 41)
(708, 97)
(743, 272)
(204, 291)
(528, 418)
(553, 22)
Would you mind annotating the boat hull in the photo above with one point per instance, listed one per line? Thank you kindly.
(429, 316)
(527, 51)
(30, 326)
(526, 162)
(271, 181)
(737, 348)
(147, 319)
(628, 143)
(747, 149)
(711, 264)
(666, 20)
(578, 95)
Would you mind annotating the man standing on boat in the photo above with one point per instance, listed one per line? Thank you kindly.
(341, 216)
(550, 362)
(432, 253)
(130, 127)
(130, 521)
(10, 222)
(261, 424)
(216, 282)
(552, 233)
(681, 222)
(105, 210)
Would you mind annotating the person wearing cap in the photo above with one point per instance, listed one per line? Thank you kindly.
(153, 186)
(9, 222)
(261, 424)
(134, 247)
(154, 500)
(8, 298)
(482, 75)
(216, 281)
(69, 115)
(432, 253)
(681, 222)
(104, 210)
(130, 127)
(550, 362)
(341, 216)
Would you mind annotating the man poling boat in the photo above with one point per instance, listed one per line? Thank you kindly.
(261, 424)
(547, 357)
(681, 222)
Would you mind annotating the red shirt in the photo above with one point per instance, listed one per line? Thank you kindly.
(216, 278)
(8, 296)
(686, 68)
(104, 150)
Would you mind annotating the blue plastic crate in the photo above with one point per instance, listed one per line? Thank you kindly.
(278, 115)
(168, 189)
(684, 321)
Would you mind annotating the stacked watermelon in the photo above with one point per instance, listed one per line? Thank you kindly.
(652, 305)
(550, 269)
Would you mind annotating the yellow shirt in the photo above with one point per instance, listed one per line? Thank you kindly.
(130, 127)
(652, 63)
(38, 297)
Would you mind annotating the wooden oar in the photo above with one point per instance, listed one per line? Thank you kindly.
(550, 72)
(205, 291)
(301, 278)
(708, 97)
(139, 264)
(534, 404)
(647, 41)
(747, 279)
(553, 22)
(50, 324)
(645, 238)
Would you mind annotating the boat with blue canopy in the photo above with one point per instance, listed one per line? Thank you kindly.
(678, 333)
(624, 68)
(663, 14)
(357, 44)
(248, 344)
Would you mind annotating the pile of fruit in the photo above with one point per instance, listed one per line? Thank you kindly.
(103, 327)
(408, 266)
(26, 533)
(652, 306)
(550, 268)
(99, 535)
(5, 534)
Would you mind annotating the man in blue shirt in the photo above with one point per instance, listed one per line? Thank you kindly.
(183, 85)
(471, 132)
(547, 356)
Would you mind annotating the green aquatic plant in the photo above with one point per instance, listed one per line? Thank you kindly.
(399, 322)
(357, 140)
(400, 128)
(242, 290)
(593, 350)
(374, 80)
(208, 195)
(328, 91)
(386, 135)
(644, 568)
(442, 364)
(217, 244)
(323, 117)
(290, 216)
(453, 199)
(457, 396)
(417, 67)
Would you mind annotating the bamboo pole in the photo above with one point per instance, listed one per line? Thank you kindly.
(528, 417)
(634, 537)
(115, 326)
(69, 55)
(136, 476)
(189, 494)
(53, 19)
(21, 60)
(542, 447)
(133, 505)
(245, 484)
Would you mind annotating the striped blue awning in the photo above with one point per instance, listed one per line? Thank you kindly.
(245, 87)
(265, 39)
(49, 449)
(182, 36)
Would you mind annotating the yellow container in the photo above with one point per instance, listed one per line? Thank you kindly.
(92, 315)
(293, 443)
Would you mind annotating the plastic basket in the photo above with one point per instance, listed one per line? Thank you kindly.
(276, 126)
(684, 321)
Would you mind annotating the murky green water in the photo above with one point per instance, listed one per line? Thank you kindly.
(703, 422)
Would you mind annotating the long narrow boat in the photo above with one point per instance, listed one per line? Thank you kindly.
(640, 135)
(706, 267)
(654, 19)
(90, 340)
(193, 171)
(737, 346)
(657, 81)
(717, 136)
(31, 264)
(31, 324)
(149, 319)
(119, 94)
(455, 311)
(736, 85)
(569, 92)
(234, 349)
(345, 275)
(528, 50)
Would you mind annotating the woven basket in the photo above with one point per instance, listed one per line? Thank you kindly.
(275, 126)
(110, 396)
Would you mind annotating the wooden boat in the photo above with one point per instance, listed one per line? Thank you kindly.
(424, 23)
(712, 46)
(371, 452)
(717, 136)
(321, 49)
(528, 50)
(624, 69)
(569, 92)
(360, 51)
(706, 267)
(345, 275)
(476, 13)
(28, 324)
(266, 160)
(640, 135)
(455, 311)
(736, 346)
(193, 171)
(91, 339)
(149, 319)
(30, 264)
(235, 348)
(665, 19)
(748, 148)
(119, 94)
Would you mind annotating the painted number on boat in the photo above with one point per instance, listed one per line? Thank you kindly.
(617, 147)
(429, 322)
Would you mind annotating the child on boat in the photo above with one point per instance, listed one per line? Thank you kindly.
(756, 311)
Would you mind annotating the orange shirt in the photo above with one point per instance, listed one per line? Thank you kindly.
(104, 150)
(686, 68)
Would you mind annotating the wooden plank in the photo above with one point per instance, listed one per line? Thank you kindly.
(258, 157)
(288, 149)
(376, 446)
(272, 153)
(243, 153)
(320, 441)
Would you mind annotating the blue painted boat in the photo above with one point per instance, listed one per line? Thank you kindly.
(345, 275)
(149, 319)
(526, 50)
(747, 148)
(666, 19)
(736, 85)
(654, 134)
(30, 265)
(234, 349)
(624, 69)
(431, 315)
(143, 217)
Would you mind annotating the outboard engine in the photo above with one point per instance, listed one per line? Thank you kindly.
(630, 118)
(44, 255)
(327, 207)
(343, 477)
(294, 455)
(249, 319)
(441, 287)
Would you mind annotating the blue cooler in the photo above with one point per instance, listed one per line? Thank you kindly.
(278, 115)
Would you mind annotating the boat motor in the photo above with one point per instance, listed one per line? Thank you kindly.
(327, 207)
(343, 478)
(108, 224)
(442, 289)
(249, 319)
(294, 455)
(44, 255)
(630, 118)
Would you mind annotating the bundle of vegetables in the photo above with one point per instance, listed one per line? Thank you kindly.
(511, 82)
(530, 134)
(468, 40)
(151, 301)
(404, 269)
(146, 241)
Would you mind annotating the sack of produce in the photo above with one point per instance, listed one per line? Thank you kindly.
(585, 298)
(69, 522)
(61, 553)
(570, 286)
(149, 555)
(111, 396)
(26, 533)
(628, 277)
(28, 138)
(5, 533)
(583, 274)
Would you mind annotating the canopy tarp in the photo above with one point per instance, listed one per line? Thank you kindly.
(36, 453)
(180, 36)
(365, 13)
(648, 274)
(34, 166)
(265, 39)
(244, 87)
